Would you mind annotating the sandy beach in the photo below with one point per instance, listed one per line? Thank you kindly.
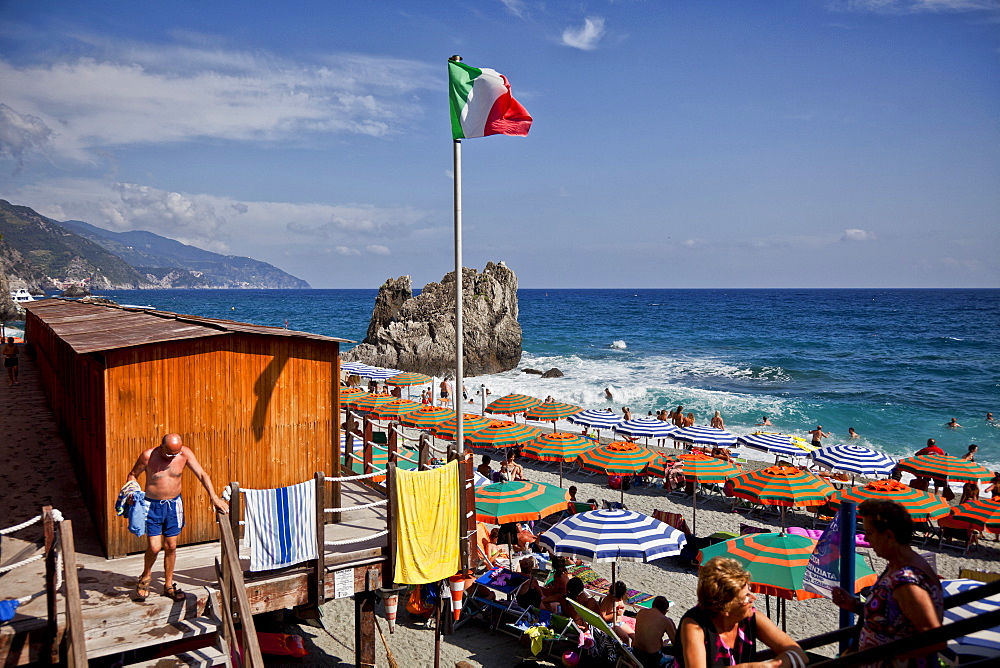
(413, 645)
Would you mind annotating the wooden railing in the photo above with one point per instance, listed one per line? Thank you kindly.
(76, 647)
(233, 599)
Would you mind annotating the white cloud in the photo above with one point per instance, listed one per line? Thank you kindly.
(585, 37)
(20, 134)
(518, 8)
(347, 250)
(855, 234)
(376, 249)
(135, 93)
(198, 219)
(913, 6)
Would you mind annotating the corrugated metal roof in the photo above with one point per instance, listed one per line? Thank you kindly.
(89, 328)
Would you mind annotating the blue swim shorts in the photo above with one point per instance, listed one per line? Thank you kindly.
(165, 518)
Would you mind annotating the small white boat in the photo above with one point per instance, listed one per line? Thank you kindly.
(21, 295)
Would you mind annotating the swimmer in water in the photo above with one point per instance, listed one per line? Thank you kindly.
(851, 433)
(764, 422)
(953, 424)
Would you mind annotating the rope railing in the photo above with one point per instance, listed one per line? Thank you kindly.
(25, 562)
(399, 432)
(363, 476)
(348, 509)
(56, 517)
(362, 539)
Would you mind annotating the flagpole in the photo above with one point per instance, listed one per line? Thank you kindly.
(459, 339)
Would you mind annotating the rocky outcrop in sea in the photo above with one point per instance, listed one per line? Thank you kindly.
(417, 334)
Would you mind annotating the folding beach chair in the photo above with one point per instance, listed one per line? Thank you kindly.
(676, 520)
(625, 657)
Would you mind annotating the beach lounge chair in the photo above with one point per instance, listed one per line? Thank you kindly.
(613, 505)
(625, 657)
(676, 520)
(979, 576)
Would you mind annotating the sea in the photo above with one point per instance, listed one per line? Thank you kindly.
(894, 364)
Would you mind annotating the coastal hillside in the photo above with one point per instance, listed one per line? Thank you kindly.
(166, 263)
(42, 254)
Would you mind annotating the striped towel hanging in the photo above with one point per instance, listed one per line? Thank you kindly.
(281, 525)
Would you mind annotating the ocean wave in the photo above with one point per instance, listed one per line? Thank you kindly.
(618, 344)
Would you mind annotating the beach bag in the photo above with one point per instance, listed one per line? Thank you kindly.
(416, 605)
(615, 482)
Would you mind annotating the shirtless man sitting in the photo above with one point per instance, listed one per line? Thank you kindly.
(164, 465)
(650, 626)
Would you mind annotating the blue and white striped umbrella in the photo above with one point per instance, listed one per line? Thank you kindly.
(982, 644)
(854, 459)
(705, 436)
(354, 367)
(378, 373)
(647, 427)
(613, 535)
(598, 419)
(776, 444)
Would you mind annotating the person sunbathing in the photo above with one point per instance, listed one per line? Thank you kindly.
(555, 591)
(530, 592)
(576, 592)
(723, 454)
(613, 612)
(495, 553)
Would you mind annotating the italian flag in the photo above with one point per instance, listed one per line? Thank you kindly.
(481, 104)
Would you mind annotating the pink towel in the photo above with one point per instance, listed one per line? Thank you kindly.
(859, 538)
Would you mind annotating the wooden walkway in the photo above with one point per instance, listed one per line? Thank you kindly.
(38, 471)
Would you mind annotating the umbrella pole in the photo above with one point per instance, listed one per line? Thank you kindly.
(694, 511)
(614, 574)
(782, 519)
(784, 613)
(560, 472)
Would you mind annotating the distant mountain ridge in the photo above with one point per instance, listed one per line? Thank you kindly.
(43, 254)
(162, 260)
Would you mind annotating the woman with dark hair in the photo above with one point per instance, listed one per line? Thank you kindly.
(907, 599)
(613, 612)
(723, 629)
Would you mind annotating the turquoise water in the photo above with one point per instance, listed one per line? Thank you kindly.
(894, 364)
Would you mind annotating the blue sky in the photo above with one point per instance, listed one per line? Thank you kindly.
(771, 143)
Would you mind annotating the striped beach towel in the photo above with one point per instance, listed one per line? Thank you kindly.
(281, 525)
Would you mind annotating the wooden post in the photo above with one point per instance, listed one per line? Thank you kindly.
(76, 648)
(393, 445)
(424, 451)
(364, 622)
(235, 506)
(52, 623)
(391, 518)
(338, 469)
(367, 452)
(320, 590)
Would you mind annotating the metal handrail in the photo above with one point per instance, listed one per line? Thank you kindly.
(234, 595)
(941, 634)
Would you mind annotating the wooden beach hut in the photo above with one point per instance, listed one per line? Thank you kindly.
(256, 404)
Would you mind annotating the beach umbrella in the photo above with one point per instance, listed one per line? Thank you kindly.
(597, 419)
(378, 373)
(370, 402)
(702, 469)
(448, 429)
(783, 486)
(353, 368)
(512, 404)
(775, 444)
(557, 446)
(855, 459)
(406, 459)
(617, 458)
(716, 438)
(921, 505)
(501, 434)
(777, 563)
(426, 417)
(551, 411)
(979, 515)
(407, 379)
(613, 535)
(350, 392)
(945, 466)
(983, 644)
(518, 501)
(647, 427)
(395, 409)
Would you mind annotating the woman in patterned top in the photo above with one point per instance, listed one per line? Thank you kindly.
(907, 598)
(723, 629)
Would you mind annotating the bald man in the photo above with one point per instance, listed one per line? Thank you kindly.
(163, 466)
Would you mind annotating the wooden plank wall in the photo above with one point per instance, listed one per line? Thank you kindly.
(74, 386)
(257, 409)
